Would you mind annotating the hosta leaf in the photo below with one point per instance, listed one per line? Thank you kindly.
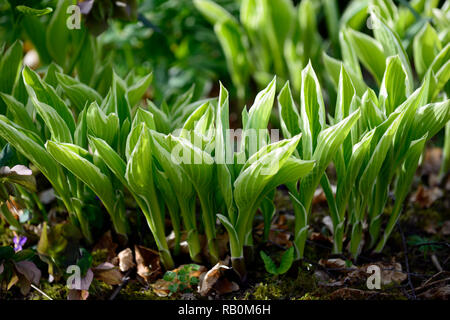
(426, 46)
(346, 184)
(47, 94)
(162, 152)
(256, 176)
(333, 67)
(162, 122)
(138, 89)
(346, 91)
(58, 128)
(349, 56)
(370, 53)
(36, 153)
(377, 157)
(120, 100)
(393, 89)
(196, 163)
(139, 173)
(236, 248)
(145, 116)
(18, 112)
(114, 162)
(78, 93)
(430, 119)
(57, 33)
(291, 171)
(289, 116)
(258, 119)
(230, 38)
(50, 75)
(132, 139)
(403, 185)
(73, 158)
(10, 64)
(329, 142)
(80, 136)
(392, 45)
(371, 114)
(312, 111)
(224, 152)
(100, 125)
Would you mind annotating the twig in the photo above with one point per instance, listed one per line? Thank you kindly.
(125, 280)
(436, 263)
(41, 292)
(405, 249)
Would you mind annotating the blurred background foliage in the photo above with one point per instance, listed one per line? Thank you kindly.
(169, 38)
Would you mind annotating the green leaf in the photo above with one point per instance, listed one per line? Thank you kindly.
(138, 89)
(36, 153)
(114, 162)
(430, 118)
(18, 113)
(230, 38)
(100, 125)
(286, 261)
(213, 12)
(393, 89)
(312, 111)
(329, 142)
(403, 186)
(78, 93)
(426, 46)
(73, 158)
(392, 45)
(33, 11)
(59, 130)
(47, 94)
(10, 64)
(345, 94)
(57, 33)
(268, 263)
(370, 53)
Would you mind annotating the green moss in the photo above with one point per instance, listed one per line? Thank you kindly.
(99, 290)
(99, 257)
(283, 287)
(135, 291)
(56, 291)
(309, 296)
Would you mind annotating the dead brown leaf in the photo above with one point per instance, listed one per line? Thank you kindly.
(108, 273)
(214, 279)
(336, 264)
(148, 263)
(126, 261)
(424, 197)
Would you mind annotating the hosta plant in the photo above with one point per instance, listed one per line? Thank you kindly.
(320, 142)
